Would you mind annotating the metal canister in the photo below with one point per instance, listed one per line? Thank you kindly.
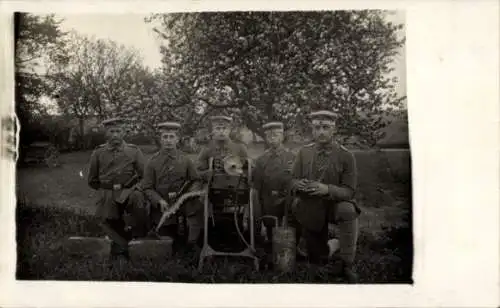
(284, 248)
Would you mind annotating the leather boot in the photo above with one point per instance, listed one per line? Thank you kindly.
(120, 237)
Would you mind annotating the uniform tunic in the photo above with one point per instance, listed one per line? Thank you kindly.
(110, 166)
(165, 173)
(271, 176)
(331, 165)
(218, 151)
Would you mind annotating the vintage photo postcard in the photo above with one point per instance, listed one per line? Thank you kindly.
(195, 150)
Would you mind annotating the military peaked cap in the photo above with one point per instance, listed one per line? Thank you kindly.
(169, 126)
(273, 125)
(221, 119)
(323, 115)
(113, 122)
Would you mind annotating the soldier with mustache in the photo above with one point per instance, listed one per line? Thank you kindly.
(324, 181)
(114, 169)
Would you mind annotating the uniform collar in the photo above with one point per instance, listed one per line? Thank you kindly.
(326, 147)
(114, 148)
(277, 150)
(169, 152)
(222, 145)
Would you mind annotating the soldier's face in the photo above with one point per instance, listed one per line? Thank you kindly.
(274, 137)
(323, 130)
(220, 131)
(115, 134)
(169, 139)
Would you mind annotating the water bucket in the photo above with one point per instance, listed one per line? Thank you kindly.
(284, 248)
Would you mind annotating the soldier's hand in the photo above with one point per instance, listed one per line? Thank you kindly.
(163, 205)
(117, 186)
(300, 184)
(318, 189)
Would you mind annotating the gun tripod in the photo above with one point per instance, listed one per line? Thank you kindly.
(226, 195)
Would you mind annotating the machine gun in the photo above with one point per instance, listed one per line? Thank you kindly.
(228, 192)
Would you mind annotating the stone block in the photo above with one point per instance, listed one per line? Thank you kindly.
(151, 249)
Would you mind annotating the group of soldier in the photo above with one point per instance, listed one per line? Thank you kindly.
(313, 188)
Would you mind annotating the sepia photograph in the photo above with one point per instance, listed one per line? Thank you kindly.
(214, 147)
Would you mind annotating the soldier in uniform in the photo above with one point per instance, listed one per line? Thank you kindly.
(115, 168)
(166, 173)
(220, 146)
(271, 175)
(324, 181)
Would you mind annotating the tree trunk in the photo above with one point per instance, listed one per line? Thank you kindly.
(81, 130)
(269, 110)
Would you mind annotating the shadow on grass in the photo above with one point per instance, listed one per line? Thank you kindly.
(41, 233)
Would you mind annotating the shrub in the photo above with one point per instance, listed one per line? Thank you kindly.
(140, 139)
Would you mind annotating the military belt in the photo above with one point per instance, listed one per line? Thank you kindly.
(110, 186)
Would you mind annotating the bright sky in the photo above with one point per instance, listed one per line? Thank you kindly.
(126, 29)
(131, 30)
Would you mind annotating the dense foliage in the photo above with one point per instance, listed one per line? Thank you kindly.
(36, 38)
(255, 66)
(263, 66)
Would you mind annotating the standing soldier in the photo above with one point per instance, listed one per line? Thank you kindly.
(272, 174)
(115, 168)
(220, 147)
(325, 180)
(166, 173)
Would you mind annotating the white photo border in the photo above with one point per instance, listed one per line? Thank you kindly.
(452, 89)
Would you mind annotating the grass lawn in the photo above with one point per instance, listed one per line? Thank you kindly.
(54, 204)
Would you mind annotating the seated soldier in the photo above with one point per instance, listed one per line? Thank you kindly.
(324, 179)
(115, 167)
(165, 174)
